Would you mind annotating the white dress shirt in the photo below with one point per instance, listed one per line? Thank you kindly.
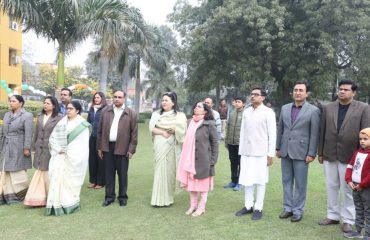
(114, 127)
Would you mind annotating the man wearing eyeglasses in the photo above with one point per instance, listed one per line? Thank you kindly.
(116, 143)
(216, 116)
(297, 141)
(65, 98)
(256, 148)
(341, 122)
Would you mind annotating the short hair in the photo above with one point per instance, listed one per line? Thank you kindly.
(173, 97)
(241, 98)
(211, 99)
(119, 90)
(77, 106)
(209, 113)
(55, 103)
(348, 82)
(103, 100)
(67, 89)
(19, 99)
(263, 91)
(308, 88)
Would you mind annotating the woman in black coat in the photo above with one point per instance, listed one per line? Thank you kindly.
(96, 165)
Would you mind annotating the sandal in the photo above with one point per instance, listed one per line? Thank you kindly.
(98, 187)
(91, 185)
(190, 210)
(198, 212)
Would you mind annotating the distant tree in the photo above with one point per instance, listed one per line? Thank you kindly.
(69, 22)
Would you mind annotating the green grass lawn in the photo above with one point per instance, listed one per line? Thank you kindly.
(138, 220)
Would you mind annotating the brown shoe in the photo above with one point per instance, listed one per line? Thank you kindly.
(328, 221)
(346, 227)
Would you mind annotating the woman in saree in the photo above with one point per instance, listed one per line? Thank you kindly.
(15, 151)
(69, 148)
(46, 121)
(167, 127)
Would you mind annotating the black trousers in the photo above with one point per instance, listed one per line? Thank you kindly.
(96, 165)
(362, 206)
(234, 162)
(115, 163)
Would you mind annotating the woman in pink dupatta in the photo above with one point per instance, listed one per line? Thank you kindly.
(198, 157)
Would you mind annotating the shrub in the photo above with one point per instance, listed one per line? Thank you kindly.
(145, 115)
(141, 119)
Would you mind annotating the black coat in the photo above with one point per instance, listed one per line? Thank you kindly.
(94, 118)
(206, 149)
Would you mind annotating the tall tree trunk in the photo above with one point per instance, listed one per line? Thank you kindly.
(125, 73)
(104, 65)
(60, 71)
(60, 74)
(137, 86)
(218, 93)
(334, 89)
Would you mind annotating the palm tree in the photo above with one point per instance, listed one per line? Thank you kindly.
(69, 22)
(114, 44)
(153, 52)
(158, 83)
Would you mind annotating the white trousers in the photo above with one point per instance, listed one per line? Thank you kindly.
(260, 196)
(340, 201)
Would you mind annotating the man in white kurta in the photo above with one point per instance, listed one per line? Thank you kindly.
(257, 148)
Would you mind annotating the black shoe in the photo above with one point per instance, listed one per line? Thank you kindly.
(285, 214)
(107, 203)
(122, 202)
(257, 215)
(296, 218)
(243, 212)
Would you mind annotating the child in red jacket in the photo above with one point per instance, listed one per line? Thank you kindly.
(358, 178)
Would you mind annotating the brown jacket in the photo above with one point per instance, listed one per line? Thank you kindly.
(341, 146)
(126, 134)
(41, 141)
(206, 149)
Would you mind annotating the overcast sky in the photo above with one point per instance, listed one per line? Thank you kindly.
(38, 50)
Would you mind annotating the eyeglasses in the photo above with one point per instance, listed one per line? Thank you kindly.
(70, 108)
(255, 94)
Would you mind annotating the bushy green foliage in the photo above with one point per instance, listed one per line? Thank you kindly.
(241, 44)
(33, 107)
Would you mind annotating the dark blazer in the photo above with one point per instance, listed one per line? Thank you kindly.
(300, 139)
(206, 149)
(94, 118)
(41, 141)
(126, 134)
(341, 146)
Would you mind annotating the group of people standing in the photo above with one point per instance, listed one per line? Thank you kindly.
(64, 144)
(185, 153)
(61, 151)
(303, 132)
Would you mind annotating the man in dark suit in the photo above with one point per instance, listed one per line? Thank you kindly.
(341, 122)
(116, 143)
(296, 145)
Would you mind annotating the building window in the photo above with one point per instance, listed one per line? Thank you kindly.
(13, 58)
(12, 23)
